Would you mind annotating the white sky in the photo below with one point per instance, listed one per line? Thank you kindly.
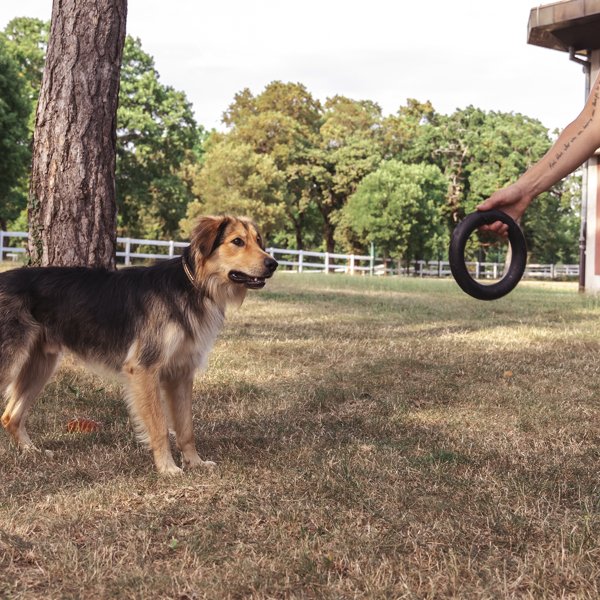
(453, 53)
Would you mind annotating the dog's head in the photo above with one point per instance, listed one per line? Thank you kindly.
(229, 257)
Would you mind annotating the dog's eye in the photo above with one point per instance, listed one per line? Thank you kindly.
(238, 242)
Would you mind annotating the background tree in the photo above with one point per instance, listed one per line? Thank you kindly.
(14, 150)
(479, 152)
(349, 147)
(400, 132)
(292, 163)
(398, 208)
(157, 140)
(552, 222)
(25, 42)
(72, 208)
(283, 123)
(236, 180)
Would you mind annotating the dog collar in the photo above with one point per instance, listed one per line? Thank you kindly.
(187, 271)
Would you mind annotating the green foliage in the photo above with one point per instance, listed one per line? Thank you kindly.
(27, 41)
(14, 135)
(349, 147)
(237, 180)
(479, 152)
(157, 137)
(398, 208)
(23, 45)
(282, 123)
(401, 131)
(291, 162)
(322, 152)
(552, 223)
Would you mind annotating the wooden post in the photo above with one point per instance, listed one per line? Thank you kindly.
(128, 251)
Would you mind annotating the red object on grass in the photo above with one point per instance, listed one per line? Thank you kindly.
(83, 425)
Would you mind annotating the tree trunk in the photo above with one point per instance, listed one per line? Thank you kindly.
(298, 233)
(72, 208)
(328, 231)
(328, 226)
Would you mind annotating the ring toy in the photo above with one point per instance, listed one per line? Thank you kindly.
(457, 255)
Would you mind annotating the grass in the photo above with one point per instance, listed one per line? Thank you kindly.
(376, 438)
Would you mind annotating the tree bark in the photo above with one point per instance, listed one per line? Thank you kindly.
(72, 208)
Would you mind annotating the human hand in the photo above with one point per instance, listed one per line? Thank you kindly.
(512, 200)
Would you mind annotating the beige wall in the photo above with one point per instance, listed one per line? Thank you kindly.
(592, 254)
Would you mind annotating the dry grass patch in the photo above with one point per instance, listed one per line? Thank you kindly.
(376, 438)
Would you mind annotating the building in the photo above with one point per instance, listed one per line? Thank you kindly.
(573, 26)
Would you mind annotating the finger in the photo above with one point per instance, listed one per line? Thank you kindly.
(496, 228)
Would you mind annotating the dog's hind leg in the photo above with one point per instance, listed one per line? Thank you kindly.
(23, 390)
(178, 397)
(149, 416)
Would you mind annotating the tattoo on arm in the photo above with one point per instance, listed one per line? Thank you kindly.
(595, 99)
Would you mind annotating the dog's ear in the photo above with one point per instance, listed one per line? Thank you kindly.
(208, 234)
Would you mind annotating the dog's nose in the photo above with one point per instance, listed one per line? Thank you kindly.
(271, 264)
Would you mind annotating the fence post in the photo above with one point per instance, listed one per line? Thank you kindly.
(326, 262)
(127, 251)
(171, 248)
(1, 245)
(300, 260)
(352, 264)
(477, 270)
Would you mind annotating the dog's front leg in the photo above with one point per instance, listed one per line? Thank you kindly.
(149, 416)
(178, 396)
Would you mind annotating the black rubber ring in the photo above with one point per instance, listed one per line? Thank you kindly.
(457, 255)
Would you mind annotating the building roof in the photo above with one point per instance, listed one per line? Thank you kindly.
(564, 25)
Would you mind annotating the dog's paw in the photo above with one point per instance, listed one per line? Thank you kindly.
(195, 462)
(29, 449)
(170, 470)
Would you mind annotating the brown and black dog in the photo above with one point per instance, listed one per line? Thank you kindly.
(153, 326)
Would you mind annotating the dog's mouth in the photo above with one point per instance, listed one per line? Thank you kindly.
(253, 283)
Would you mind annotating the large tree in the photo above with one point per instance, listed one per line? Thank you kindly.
(157, 136)
(26, 41)
(322, 152)
(282, 122)
(479, 152)
(72, 208)
(14, 112)
(349, 147)
(398, 208)
(235, 179)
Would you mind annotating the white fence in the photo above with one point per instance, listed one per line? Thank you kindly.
(12, 247)
(325, 262)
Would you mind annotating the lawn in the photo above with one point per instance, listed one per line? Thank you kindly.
(375, 438)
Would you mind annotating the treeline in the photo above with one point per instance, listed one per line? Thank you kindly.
(337, 175)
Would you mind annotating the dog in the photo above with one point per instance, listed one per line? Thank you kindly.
(154, 326)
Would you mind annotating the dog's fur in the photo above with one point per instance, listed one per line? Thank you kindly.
(154, 326)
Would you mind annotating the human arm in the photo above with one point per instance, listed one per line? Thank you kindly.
(575, 144)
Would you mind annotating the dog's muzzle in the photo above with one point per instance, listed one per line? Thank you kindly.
(255, 282)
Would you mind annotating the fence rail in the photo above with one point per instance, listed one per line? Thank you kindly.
(12, 247)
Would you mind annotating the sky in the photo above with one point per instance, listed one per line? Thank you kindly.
(452, 53)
